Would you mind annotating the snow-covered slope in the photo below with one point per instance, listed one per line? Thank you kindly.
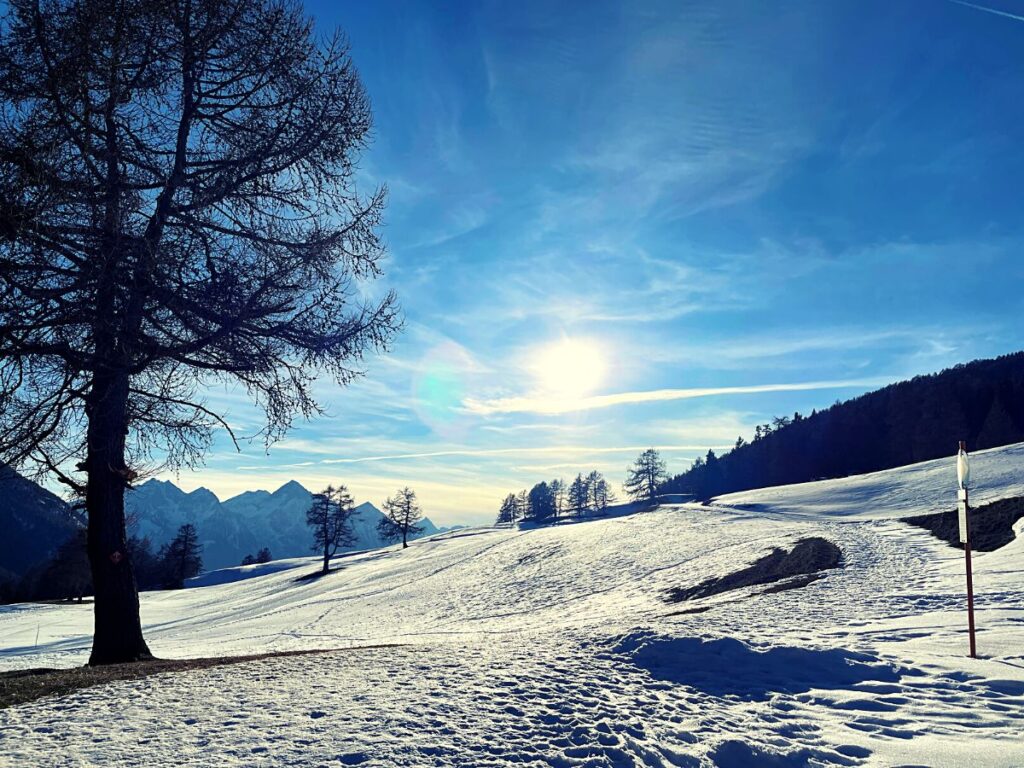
(243, 524)
(556, 646)
(930, 486)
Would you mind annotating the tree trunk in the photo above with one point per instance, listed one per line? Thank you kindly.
(405, 536)
(118, 629)
(327, 560)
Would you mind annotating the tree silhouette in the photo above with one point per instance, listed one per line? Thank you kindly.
(557, 487)
(507, 511)
(330, 516)
(541, 502)
(177, 208)
(522, 505)
(181, 558)
(578, 496)
(981, 402)
(401, 513)
(599, 492)
(646, 474)
(66, 576)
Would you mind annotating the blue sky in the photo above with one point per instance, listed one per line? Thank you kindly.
(593, 202)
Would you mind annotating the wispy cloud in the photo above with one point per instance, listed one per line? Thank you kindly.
(533, 404)
(527, 450)
(792, 347)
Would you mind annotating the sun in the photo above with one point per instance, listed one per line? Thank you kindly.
(568, 369)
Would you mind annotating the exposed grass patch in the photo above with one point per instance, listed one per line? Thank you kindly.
(806, 559)
(991, 524)
(25, 685)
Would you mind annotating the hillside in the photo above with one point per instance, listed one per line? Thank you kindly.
(241, 525)
(34, 522)
(924, 418)
(560, 646)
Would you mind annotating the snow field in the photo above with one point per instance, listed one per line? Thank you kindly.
(555, 647)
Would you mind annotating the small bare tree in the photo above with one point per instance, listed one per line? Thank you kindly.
(558, 491)
(401, 513)
(599, 491)
(177, 209)
(330, 517)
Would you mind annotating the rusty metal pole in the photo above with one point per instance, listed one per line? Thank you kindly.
(970, 598)
(965, 537)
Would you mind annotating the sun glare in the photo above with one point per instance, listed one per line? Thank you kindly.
(570, 368)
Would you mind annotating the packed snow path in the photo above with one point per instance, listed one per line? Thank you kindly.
(556, 646)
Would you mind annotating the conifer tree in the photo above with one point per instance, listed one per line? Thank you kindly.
(182, 557)
(507, 511)
(542, 502)
(578, 496)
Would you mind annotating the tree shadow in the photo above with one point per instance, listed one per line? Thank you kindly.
(727, 667)
(319, 573)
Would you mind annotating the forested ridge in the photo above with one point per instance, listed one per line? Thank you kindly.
(981, 402)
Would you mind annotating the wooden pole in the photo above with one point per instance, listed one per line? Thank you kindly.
(967, 562)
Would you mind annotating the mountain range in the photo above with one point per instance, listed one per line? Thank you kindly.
(34, 522)
(243, 524)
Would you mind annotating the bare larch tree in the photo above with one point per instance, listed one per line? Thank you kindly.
(646, 476)
(330, 518)
(177, 209)
(401, 514)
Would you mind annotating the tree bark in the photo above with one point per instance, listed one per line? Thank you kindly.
(118, 627)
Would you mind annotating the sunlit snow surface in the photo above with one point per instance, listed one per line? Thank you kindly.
(555, 646)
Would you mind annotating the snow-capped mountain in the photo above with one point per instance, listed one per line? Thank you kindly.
(243, 524)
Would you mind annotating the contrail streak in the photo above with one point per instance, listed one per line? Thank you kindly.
(531, 404)
(994, 11)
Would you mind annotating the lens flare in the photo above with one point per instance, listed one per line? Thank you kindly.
(440, 386)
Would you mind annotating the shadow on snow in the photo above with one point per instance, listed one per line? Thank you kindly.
(727, 667)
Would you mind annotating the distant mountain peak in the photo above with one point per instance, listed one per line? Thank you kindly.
(246, 495)
(292, 486)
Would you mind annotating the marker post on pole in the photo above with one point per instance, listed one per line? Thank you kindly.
(963, 475)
